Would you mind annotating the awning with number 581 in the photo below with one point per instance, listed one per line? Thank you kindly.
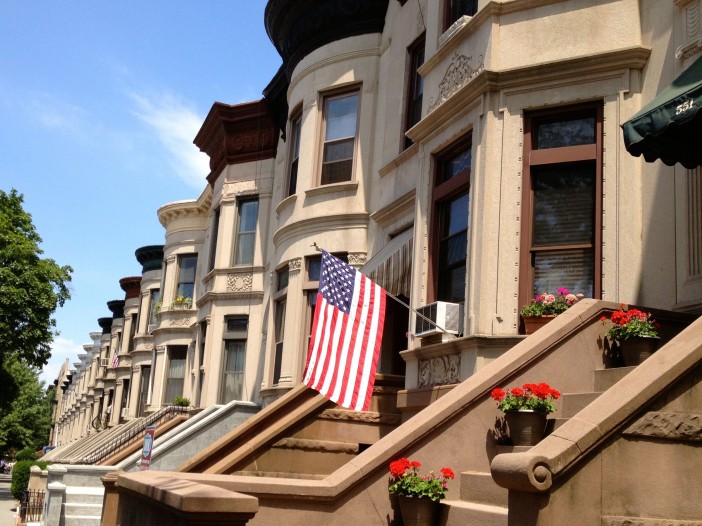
(669, 127)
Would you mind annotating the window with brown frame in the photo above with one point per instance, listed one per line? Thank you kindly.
(280, 304)
(455, 9)
(415, 86)
(449, 229)
(340, 127)
(246, 231)
(295, 129)
(562, 202)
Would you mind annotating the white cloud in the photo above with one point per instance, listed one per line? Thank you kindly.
(175, 125)
(61, 348)
(55, 114)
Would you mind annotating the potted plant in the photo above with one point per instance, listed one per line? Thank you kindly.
(525, 410)
(182, 302)
(418, 495)
(181, 401)
(635, 332)
(546, 306)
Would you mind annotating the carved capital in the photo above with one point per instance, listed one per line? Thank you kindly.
(295, 265)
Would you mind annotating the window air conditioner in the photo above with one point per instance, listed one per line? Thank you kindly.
(448, 316)
(104, 362)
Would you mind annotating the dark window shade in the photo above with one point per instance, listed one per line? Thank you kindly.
(571, 269)
(564, 207)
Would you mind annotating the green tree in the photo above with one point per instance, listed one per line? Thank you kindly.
(31, 287)
(26, 420)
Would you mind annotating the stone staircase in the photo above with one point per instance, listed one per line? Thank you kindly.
(83, 506)
(482, 502)
(322, 444)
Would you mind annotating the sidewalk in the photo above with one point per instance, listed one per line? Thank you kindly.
(7, 503)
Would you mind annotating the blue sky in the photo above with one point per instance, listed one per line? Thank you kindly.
(99, 104)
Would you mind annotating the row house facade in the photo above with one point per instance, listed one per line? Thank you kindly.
(466, 152)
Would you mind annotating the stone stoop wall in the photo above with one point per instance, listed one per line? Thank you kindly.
(456, 431)
(646, 472)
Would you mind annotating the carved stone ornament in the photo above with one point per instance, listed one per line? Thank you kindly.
(161, 349)
(442, 370)
(295, 265)
(684, 427)
(238, 188)
(693, 35)
(180, 322)
(459, 73)
(240, 282)
(356, 259)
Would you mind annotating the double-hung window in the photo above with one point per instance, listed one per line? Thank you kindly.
(175, 378)
(450, 222)
(340, 126)
(214, 232)
(280, 299)
(295, 130)
(415, 86)
(562, 210)
(186, 276)
(246, 232)
(236, 329)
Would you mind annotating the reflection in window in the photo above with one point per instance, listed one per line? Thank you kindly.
(559, 134)
(450, 223)
(452, 249)
(246, 235)
(340, 116)
(186, 276)
(176, 372)
(295, 129)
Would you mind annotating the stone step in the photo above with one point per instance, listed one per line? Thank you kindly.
(349, 426)
(572, 403)
(606, 378)
(79, 520)
(84, 495)
(479, 488)
(316, 457)
(82, 510)
(462, 513)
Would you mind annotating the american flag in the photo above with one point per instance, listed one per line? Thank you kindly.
(346, 335)
(115, 358)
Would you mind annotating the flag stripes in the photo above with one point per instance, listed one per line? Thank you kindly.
(346, 335)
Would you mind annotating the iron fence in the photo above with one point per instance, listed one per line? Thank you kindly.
(32, 505)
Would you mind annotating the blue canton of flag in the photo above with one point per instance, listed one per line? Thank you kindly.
(346, 333)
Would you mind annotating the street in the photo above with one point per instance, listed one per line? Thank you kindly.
(7, 503)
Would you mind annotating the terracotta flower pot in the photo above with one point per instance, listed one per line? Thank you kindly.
(635, 350)
(534, 323)
(526, 427)
(418, 511)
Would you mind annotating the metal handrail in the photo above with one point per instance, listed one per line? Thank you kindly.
(120, 441)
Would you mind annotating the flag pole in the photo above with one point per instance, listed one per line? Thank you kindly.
(398, 300)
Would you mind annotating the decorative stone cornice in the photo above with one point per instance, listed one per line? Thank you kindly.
(440, 370)
(105, 324)
(460, 71)
(116, 308)
(298, 28)
(150, 257)
(182, 210)
(131, 286)
(237, 134)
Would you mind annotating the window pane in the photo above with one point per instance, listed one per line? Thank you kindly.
(245, 249)
(176, 373)
(246, 238)
(571, 269)
(564, 205)
(155, 298)
(341, 117)
(338, 151)
(237, 324)
(314, 265)
(248, 212)
(565, 133)
(337, 172)
(185, 290)
(187, 269)
(455, 165)
(452, 249)
(283, 277)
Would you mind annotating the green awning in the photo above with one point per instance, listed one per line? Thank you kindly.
(669, 127)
